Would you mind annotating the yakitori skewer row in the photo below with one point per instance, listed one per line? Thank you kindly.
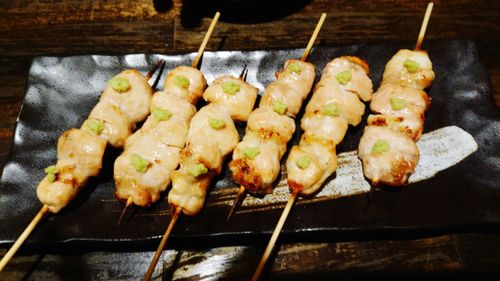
(124, 102)
(212, 136)
(256, 159)
(387, 147)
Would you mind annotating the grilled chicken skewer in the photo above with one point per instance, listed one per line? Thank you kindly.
(152, 153)
(387, 147)
(144, 169)
(256, 159)
(334, 105)
(212, 136)
(124, 102)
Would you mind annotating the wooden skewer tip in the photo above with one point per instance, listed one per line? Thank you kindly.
(175, 215)
(237, 201)
(129, 202)
(205, 39)
(153, 70)
(38, 217)
(423, 27)
(313, 37)
(274, 237)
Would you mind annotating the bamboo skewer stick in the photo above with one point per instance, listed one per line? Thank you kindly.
(423, 28)
(274, 237)
(175, 215)
(23, 236)
(313, 37)
(129, 202)
(205, 40)
(242, 191)
(239, 199)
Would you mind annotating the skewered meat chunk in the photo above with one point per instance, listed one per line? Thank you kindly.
(291, 88)
(267, 134)
(116, 126)
(359, 83)
(144, 185)
(225, 138)
(185, 82)
(388, 157)
(310, 164)
(409, 68)
(332, 128)
(79, 157)
(334, 105)
(208, 142)
(348, 105)
(269, 124)
(157, 144)
(234, 94)
(133, 102)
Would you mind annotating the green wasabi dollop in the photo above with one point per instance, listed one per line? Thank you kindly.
(230, 87)
(217, 123)
(140, 164)
(197, 170)
(119, 84)
(380, 146)
(411, 65)
(344, 77)
(160, 114)
(303, 162)
(181, 81)
(279, 107)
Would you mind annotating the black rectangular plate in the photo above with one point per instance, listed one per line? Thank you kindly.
(62, 90)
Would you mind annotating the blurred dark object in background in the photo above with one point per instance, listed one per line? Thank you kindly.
(162, 5)
(239, 11)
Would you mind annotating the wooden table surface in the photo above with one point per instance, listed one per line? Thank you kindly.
(44, 27)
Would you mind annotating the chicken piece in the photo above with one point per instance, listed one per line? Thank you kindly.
(334, 99)
(409, 125)
(310, 164)
(167, 133)
(234, 94)
(202, 126)
(357, 82)
(399, 100)
(256, 162)
(116, 126)
(388, 157)
(291, 88)
(271, 125)
(135, 101)
(80, 157)
(189, 192)
(185, 82)
(208, 143)
(409, 68)
(284, 93)
(143, 171)
(299, 75)
(169, 108)
(326, 127)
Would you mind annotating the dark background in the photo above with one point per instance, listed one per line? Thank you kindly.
(36, 28)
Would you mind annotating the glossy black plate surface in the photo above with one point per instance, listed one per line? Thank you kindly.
(61, 92)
